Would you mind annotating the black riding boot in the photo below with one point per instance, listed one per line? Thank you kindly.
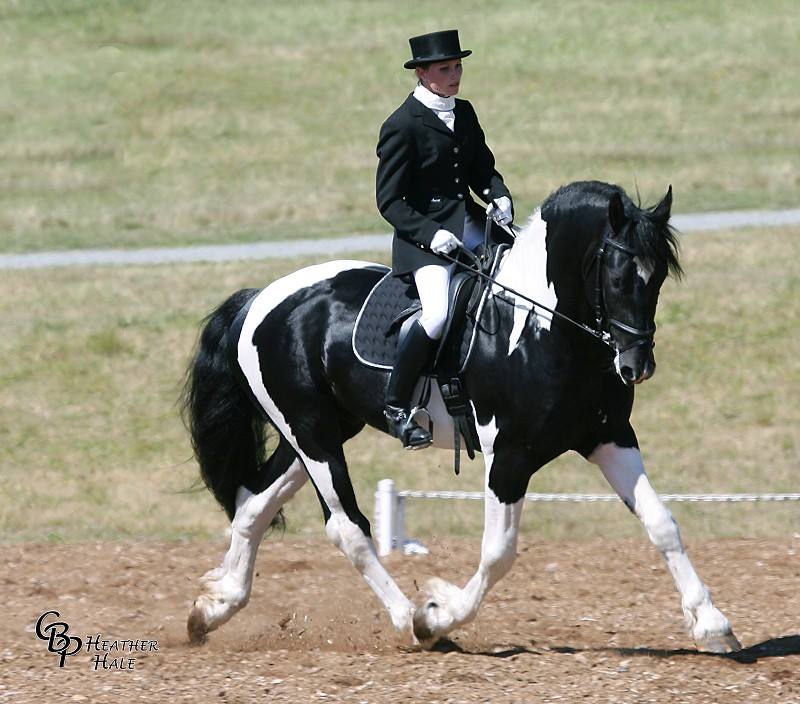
(415, 351)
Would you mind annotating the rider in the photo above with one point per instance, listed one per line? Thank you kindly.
(431, 151)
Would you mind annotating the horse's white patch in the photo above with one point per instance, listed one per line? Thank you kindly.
(501, 521)
(263, 304)
(341, 530)
(524, 268)
(487, 434)
(255, 511)
(644, 268)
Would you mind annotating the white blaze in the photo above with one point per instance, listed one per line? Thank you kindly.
(644, 268)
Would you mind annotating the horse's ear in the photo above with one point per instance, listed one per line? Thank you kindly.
(661, 211)
(616, 213)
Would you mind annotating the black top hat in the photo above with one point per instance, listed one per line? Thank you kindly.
(436, 46)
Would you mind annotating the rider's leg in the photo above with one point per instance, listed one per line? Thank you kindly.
(415, 352)
(432, 283)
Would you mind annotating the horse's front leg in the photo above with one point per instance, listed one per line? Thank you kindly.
(624, 470)
(449, 606)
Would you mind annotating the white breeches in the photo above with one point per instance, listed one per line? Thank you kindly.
(433, 280)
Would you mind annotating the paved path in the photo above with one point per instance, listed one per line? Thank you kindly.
(332, 246)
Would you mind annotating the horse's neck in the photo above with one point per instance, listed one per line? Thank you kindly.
(524, 269)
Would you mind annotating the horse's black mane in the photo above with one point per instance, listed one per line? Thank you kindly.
(651, 235)
(656, 238)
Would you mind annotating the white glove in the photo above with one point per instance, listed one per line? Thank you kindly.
(444, 241)
(500, 210)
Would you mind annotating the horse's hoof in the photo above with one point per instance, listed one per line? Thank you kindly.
(197, 627)
(720, 643)
(428, 624)
(422, 629)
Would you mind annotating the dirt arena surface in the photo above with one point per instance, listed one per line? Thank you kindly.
(589, 622)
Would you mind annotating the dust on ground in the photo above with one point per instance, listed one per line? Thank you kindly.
(596, 621)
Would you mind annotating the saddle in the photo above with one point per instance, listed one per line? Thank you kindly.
(393, 305)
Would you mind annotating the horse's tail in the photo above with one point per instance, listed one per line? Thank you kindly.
(228, 433)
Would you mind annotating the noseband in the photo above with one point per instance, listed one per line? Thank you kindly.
(642, 337)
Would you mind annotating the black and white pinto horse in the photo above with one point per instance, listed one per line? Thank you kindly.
(540, 386)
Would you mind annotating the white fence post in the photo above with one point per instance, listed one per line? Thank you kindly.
(385, 503)
(400, 523)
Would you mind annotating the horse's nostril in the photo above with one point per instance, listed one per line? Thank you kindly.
(627, 373)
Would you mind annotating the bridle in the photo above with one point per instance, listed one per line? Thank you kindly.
(642, 337)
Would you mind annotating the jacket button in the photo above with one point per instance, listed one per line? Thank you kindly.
(460, 196)
(458, 180)
(455, 150)
(455, 166)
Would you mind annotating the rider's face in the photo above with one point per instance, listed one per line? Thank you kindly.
(442, 77)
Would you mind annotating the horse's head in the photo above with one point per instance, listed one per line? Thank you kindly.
(639, 250)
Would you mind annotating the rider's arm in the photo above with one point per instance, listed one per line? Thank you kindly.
(485, 179)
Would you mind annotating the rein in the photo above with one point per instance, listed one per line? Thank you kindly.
(644, 337)
(603, 337)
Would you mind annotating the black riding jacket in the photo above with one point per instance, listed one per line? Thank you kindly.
(425, 173)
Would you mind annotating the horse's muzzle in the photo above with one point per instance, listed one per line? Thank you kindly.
(649, 370)
(634, 367)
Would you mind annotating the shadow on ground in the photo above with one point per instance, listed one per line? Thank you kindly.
(772, 648)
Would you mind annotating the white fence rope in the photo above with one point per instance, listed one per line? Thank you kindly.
(578, 498)
(390, 508)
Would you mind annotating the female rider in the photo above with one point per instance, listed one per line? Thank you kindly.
(431, 152)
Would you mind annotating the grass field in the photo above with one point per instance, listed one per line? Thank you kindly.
(130, 123)
(92, 447)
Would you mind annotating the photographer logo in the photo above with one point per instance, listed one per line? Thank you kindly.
(105, 653)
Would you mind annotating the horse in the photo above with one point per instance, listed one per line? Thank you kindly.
(589, 260)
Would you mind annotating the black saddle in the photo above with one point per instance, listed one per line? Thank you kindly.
(393, 305)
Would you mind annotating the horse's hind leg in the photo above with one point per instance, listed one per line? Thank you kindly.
(320, 447)
(624, 470)
(227, 587)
